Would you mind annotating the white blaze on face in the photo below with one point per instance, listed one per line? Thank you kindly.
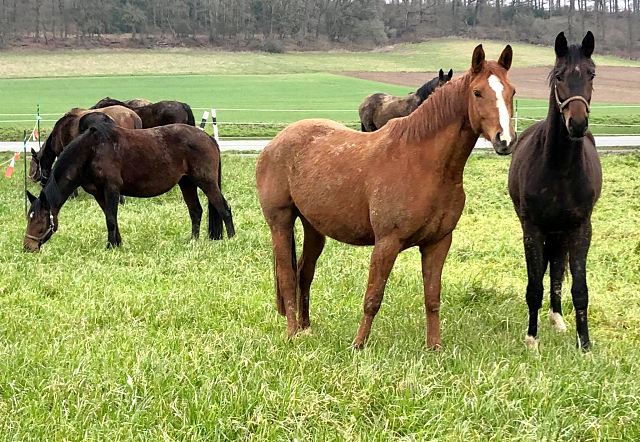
(497, 87)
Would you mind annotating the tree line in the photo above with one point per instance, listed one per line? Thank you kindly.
(304, 23)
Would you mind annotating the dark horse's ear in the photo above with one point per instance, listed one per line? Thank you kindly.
(441, 75)
(450, 74)
(506, 57)
(477, 59)
(588, 44)
(561, 46)
(31, 197)
(34, 154)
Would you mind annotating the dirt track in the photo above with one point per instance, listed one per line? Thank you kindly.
(612, 84)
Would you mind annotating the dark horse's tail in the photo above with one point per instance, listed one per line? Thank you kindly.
(191, 121)
(294, 265)
(215, 219)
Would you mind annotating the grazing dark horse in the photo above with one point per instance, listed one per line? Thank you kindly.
(377, 109)
(66, 130)
(554, 181)
(108, 161)
(137, 102)
(155, 114)
(395, 188)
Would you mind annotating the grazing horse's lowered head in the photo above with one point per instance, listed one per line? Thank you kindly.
(571, 82)
(42, 220)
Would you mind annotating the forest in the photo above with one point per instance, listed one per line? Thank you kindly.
(281, 25)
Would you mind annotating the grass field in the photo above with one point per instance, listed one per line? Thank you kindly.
(321, 94)
(429, 56)
(170, 340)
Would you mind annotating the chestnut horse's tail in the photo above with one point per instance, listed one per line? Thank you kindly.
(215, 220)
(294, 265)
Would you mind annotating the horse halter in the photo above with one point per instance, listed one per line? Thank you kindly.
(565, 103)
(47, 233)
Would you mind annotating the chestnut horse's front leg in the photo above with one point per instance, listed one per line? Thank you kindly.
(433, 257)
(385, 252)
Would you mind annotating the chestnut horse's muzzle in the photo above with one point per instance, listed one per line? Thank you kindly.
(502, 146)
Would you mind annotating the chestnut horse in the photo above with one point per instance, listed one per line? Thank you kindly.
(108, 161)
(395, 188)
(155, 114)
(377, 109)
(555, 180)
(66, 129)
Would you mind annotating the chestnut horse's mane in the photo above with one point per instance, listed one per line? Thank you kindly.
(445, 104)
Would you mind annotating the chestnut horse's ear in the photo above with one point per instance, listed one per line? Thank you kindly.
(441, 75)
(506, 57)
(31, 197)
(588, 44)
(561, 46)
(477, 59)
(450, 74)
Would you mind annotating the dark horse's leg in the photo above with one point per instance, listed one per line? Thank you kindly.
(190, 194)
(112, 199)
(536, 267)
(556, 250)
(580, 240)
(385, 252)
(311, 250)
(100, 198)
(433, 257)
(218, 206)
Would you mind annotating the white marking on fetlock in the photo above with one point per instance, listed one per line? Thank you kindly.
(531, 342)
(503, 112)
(557, 321)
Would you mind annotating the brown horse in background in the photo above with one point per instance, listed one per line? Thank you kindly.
(377, 109)
(108, 161)
(155, 114)
(395, 188)
(66, 130)
(555, 180)
(137, 102)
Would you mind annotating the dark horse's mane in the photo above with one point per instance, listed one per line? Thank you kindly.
(52, 195)
(428, 88)
(574, 56)
(433, 114)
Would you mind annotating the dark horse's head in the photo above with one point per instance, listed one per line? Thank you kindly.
(42, 222)
(433, 84)
(571, 82)
(106, 102)
(34, 166)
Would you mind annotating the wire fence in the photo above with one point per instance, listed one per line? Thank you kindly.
(29, 118)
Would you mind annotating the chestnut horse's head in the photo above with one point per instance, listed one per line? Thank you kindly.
(572, 82)
(491, 99)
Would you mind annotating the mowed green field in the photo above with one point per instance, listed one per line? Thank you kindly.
(276, 99)
(169, 340)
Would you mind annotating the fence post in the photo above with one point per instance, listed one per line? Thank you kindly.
(205, 117)
(215, 125)
(24, 149)
(516, 117)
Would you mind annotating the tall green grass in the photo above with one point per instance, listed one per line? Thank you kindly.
(165, 339)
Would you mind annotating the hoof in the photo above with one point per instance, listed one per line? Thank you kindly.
(531, 342)
(557, 321)
(358, 345)
(434, 345)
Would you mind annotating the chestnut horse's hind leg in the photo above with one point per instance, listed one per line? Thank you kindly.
(580, 240)
(556, 250)
(385, 252)
(433, 258)
(190, 195)
(282, 241)
(311, 250)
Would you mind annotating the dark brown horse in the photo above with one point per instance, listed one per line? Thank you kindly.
(377, 109)
(137, 102)
(67, 129)
(395, 188)
(155, 114)
(554, 181)
(108, 161)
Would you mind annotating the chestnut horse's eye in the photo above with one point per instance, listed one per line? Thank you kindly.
(477, 94)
